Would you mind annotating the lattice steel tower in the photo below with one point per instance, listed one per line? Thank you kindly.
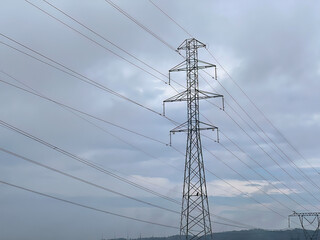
(195, 216)
(310, 218)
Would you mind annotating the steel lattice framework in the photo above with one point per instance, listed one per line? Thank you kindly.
(195, 215)
(311, 217)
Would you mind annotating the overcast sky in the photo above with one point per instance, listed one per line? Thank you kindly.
(270, 49)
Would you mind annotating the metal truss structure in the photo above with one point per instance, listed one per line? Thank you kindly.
(195, 216)
(310, 218)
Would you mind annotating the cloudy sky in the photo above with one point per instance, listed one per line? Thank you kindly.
(56, 71)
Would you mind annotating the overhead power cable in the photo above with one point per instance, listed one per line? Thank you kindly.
(263, 114)
(139, 24)
(269, 156)
(82, 112)
(260, 175)
(235, 223)
(83, 24)
(85, 181)
(288, 158)
(94, 41)
(176, 202)
(308, 179)
(248, 195)
(86, 206)
(84, 161)
(100, 210)
(75, 111)
(92, 165)
(55, 148)
(40, 95)
(247, 180)
(295, 167)
(289, 161)
(73, 73)
(33, 93)
(293, 191)
(106, 40)
(264, 151)
(183, 29)
(244, 193)
(266, 170)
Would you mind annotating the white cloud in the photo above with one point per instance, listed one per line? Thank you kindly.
(222, 189)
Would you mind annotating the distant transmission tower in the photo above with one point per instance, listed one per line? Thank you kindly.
(195, 215)
(310, 219)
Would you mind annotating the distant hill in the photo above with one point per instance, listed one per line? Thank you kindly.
(254, 234)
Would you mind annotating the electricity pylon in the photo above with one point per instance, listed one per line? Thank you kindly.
(195, 216)
(311, 217)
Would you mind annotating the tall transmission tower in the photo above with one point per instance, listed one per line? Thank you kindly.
(310, 219)
(195, 216)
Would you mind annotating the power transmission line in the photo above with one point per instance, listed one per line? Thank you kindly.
(55, 148)
(273, 185)
(82, 112)
(247, 180)
(95, 184)
(85, 181)
(139, 24)
(86, 206)
(92, 40)
(183, 29)
(265, 152)
(248, 195)
(84, 161)
(74, 73)
(38, 59)
(173, 147)
(189, 34)
(104, 38)
(259, 164)
(277, 179)
(54, 102)
(71, 109)
(296, 168)
(235, 223)
(264, 116)
(118, 9)
(108, 41)
(287, 173)
(306, 176)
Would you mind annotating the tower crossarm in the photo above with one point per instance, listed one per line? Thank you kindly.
(311, 218)
(183, 66)
(185, 44)
(183, 96)
(307, 214)
(202, 126)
